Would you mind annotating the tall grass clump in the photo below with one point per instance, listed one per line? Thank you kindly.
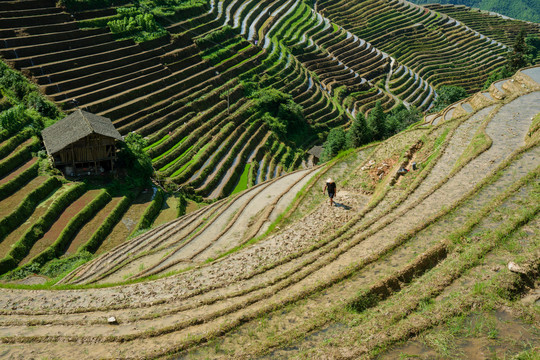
(134, 24)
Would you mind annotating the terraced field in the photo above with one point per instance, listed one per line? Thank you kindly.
(165, 90)
(491, 25)
(424, 40)
(396, 256)
(263, 267)
(171, 89)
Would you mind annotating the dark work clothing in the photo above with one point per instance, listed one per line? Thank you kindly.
(331, 187)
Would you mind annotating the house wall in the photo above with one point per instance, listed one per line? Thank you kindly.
(93, 148)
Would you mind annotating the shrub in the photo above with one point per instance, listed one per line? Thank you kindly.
(9, 263)
(448, 94)
(359, 133)
(5, 103)
(277, 125)
(58, 267)
(41, 105)
(341, 93)
(133, 24)
(14, 119)
(133, 157)
(335, 142)
(377, 121)
(22, 105)
(14, 82)
(182, 204)
(13, 142)
(141, 27)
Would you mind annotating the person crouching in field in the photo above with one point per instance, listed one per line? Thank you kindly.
(330, 186)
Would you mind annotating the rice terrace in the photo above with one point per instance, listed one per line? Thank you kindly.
(269, 179)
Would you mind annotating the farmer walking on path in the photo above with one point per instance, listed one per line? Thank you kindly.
(331, 187)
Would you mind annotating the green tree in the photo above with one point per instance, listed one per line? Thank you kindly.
(290, 111)
(281, 113)
(276, 124)
(517, 58)
(44, 107)
(447, 95)
(359, 133)
(14, 83)
(401, 118)
(533, 48)
(524, 53)
(134, 158)
(269, 100)
(335, 142)
(377, 121)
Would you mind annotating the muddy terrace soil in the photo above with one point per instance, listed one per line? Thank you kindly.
(275, 272)
(496, 334)
(128, 222)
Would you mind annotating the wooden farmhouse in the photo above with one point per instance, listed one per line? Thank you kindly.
(316, 152)
(82, 143)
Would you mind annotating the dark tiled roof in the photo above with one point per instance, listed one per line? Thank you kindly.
(316, 151)
(74, 127)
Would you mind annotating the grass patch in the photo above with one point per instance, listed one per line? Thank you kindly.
(479, 143)
(170, 150)
(243, 182)
(156, 143)
(177, 159)
(195, 158)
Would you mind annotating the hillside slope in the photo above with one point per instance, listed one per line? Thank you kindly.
(227, 94)
(494, 26)
(397, 256)
(190, 90)
(528, 10)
